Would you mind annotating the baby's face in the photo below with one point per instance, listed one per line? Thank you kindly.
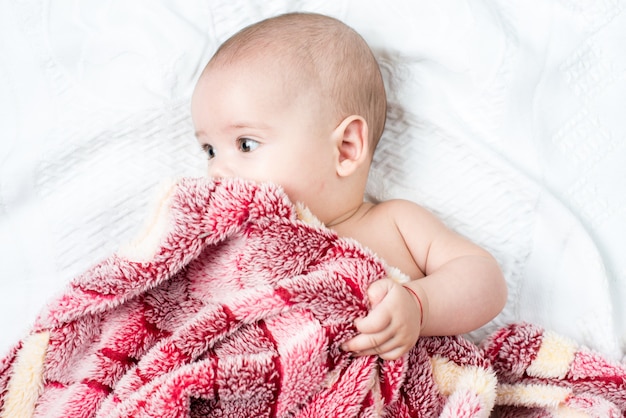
(253, 126)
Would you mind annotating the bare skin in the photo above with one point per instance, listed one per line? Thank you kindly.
(442, 266)
(256, 123)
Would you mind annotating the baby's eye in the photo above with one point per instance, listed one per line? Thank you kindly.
(247, 144)
(210, 151)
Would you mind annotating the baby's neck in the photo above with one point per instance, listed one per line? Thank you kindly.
(349, 218)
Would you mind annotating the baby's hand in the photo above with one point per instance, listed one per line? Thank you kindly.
(392, 327)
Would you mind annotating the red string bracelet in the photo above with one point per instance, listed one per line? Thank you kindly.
(418, 301)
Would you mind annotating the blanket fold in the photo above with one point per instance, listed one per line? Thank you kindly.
(234, 303)
(543, 374)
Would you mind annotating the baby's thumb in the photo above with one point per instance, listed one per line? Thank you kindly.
(378, 290)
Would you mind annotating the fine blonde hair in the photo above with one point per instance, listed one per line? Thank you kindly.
(322, 52)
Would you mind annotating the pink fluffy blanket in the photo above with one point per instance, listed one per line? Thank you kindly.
(234, 303)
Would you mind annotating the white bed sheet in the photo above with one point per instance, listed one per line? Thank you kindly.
(506, 120)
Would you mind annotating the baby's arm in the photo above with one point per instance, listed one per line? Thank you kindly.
(463, 283)
(462, 288)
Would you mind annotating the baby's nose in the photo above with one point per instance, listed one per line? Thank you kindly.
(219, 169)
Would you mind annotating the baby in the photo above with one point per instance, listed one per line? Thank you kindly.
(298, 100)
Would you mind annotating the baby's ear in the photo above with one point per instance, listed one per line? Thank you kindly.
(352, 141)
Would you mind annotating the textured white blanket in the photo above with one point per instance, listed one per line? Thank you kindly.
(506, 120)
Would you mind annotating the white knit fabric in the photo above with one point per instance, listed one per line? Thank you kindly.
(506, 120)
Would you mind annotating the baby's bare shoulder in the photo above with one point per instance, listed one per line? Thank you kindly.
(408, 216)
(402, 207)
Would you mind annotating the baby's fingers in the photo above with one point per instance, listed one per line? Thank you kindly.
(375, 321)
(375, 345)
(368, 344)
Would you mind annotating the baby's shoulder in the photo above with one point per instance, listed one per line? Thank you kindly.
(401, 207)
(407, 215)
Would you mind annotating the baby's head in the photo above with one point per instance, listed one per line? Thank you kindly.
(297, 99)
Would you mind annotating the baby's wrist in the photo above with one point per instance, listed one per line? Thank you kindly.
(420, 303)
